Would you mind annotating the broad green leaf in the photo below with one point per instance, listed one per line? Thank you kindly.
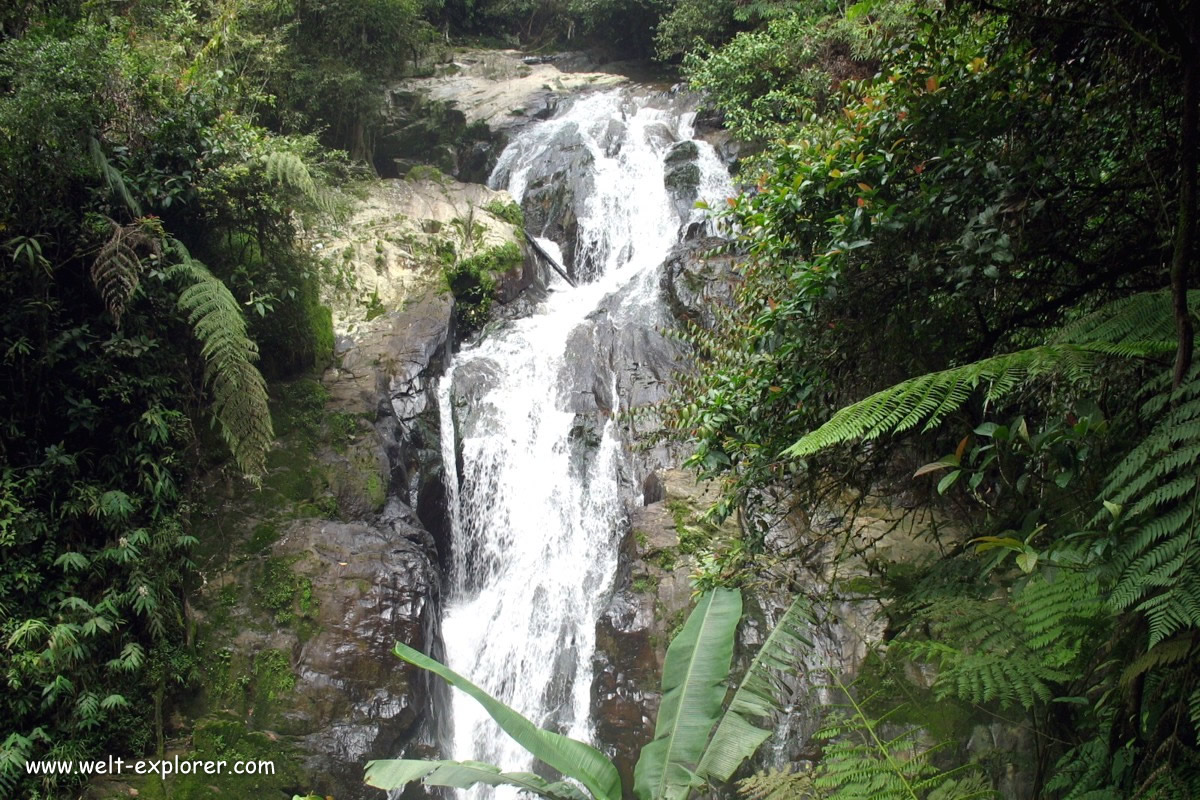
(737, 737)
(572, 758)
(397, 773)
(948, 481)
(693, 688)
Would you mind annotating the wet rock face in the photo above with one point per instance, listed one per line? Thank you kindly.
(353, 700)
(682, 176)
(653, 597)
(695, 283)
(554, 196)
(311, 581)
(389, 372)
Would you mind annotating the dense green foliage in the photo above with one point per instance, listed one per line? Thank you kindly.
(150, 278)
(1001, 203)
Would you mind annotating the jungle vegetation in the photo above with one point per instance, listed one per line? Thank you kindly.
(968, 237)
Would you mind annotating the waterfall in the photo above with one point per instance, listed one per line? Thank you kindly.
(537, 512)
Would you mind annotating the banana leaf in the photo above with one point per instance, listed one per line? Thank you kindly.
(693, 688)
(572, 758)
(396, 773)
(737, 737)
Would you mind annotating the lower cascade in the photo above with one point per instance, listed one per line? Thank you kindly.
(538, 504)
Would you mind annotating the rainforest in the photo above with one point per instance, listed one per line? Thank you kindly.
(600, 399)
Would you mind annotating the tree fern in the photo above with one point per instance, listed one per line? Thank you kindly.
(1010, 653)
(931, 398)
(113, 177)
(239, 393)
(1143, 317)
(1156, 561)
(1134, 327)
(1087, 772)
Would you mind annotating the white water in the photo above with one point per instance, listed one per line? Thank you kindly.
(535, 519)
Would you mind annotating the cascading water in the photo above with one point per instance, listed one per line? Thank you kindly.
(537, 513)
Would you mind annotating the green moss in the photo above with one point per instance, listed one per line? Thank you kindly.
(427, 172)
(217, 739)
(343, 428)
(261, 538)
(293, 482)
(640, 537)
(298, 405)
(472, 281)
(693, 532)
(376, 492)
(321, 319)
(323, 507)
(282, 593)
(375, 307)
(666, 559)
(510, 212)
(273, 677)
(645, 584)
(684, 178)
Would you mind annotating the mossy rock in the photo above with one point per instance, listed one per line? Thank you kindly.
(684, 179)
(682, 153)
(217, 743)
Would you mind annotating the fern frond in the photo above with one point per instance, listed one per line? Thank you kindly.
(240, 406)
(858, 763)
(1156, 555)
(1146, 316)
(290, 169)
(1085, 773)
(788, 783)
(113, 177)
(1164, 654)
(931, 398)
(1010, 653)
(117, 268)
(1134, 327)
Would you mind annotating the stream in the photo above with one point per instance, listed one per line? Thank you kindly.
(538, 505)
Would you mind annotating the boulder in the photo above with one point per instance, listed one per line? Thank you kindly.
(696, 281)
(682, 176)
